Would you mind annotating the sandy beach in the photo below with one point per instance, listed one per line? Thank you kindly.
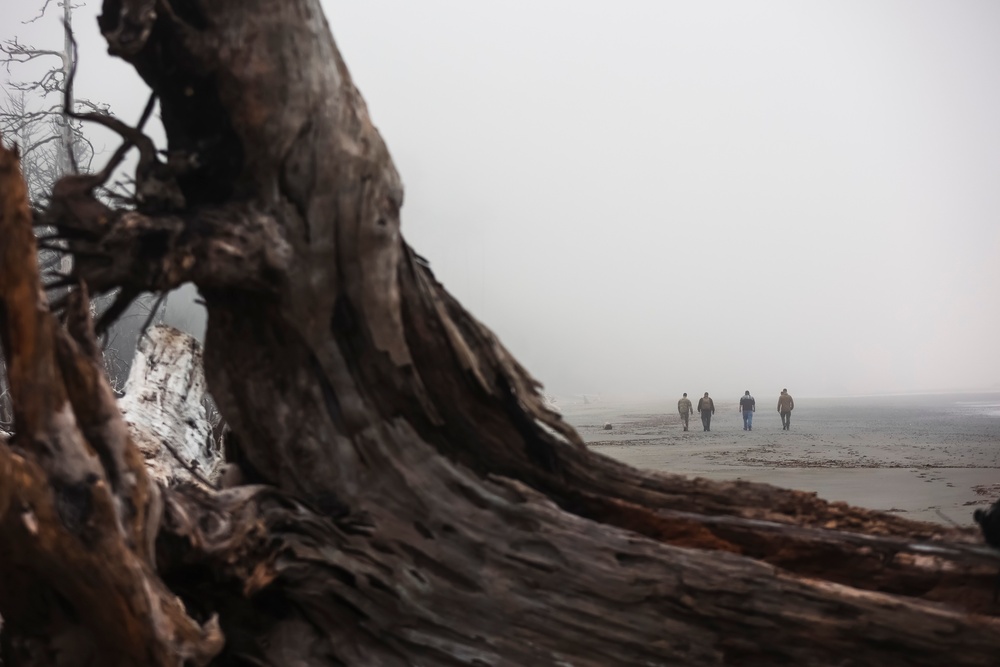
(916, 455)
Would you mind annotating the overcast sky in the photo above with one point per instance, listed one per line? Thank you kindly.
(650, 197)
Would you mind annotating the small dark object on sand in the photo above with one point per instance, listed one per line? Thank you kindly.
(989, 523)
(607, 426)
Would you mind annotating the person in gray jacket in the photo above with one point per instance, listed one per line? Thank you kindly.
(685, 408)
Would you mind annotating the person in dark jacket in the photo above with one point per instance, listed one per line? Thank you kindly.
(748, 406)
(785, 407)
(707, 408)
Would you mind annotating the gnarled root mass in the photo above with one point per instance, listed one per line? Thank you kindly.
(78, 514)
(400, 492)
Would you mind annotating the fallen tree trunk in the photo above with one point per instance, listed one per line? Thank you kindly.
(405, 496)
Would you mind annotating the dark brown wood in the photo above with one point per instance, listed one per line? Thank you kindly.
(78, 516)
(401, 493)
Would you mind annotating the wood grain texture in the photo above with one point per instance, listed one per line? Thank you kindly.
(78, 517)
(407, 496)
(164, 409)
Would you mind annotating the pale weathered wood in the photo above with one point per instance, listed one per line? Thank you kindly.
(164, 408)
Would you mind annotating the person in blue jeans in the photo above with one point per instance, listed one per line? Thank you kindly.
(748, 406)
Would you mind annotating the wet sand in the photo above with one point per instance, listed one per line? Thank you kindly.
(916, 455)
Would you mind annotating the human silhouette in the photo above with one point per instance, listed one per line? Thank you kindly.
(707, 408)
(785, 407)
(684, 408)
(747, 406)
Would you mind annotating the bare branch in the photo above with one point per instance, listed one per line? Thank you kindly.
(152, 313)
(16, 52)
(40, 13)
(68, 87)
(35, 146)
(91, 152)
(99, 108)
(131, 136)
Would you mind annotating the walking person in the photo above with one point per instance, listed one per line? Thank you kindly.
(785, 407)
(747, 407)
(706, 407)
(685, 408)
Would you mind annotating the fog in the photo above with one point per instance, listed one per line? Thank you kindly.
(656, 197)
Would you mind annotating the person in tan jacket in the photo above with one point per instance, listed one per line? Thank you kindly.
(707, 408)
(684, 408)
(785, 407)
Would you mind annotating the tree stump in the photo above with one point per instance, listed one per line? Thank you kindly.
(405, 497)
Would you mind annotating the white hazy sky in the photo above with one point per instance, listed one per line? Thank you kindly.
(655, 197)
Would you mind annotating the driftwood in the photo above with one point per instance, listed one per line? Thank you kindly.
(78, 514)
(165, 411)
(405, 496)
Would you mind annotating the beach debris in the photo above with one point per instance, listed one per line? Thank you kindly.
(608, 426)
(989, 523)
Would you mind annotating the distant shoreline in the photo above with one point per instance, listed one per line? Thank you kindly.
(916, 454)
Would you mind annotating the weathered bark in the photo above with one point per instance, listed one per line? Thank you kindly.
(408, 497)
(78, 514)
